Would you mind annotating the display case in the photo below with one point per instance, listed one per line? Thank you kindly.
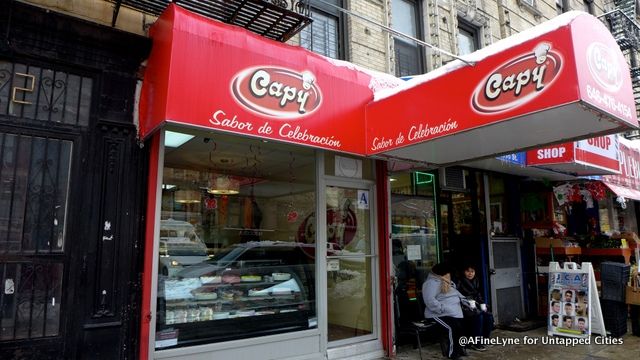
(229, 304)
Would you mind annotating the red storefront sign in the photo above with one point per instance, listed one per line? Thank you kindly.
(627, 184)
(212, 75)
(594, 156)
(566, 79)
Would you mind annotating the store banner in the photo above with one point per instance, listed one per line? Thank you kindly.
(601, 151)
(563, 79)
(206, 74)
(555, 154)
(519, 158)
(593, 156)
(574, 306)
(627, 183)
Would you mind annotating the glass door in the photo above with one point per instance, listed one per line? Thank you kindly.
(351, 264)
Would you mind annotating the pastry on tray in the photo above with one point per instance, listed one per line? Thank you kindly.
(277, 276)
(231, 277)
(257, 292)
(251, 278)
(206, 291)
(216, 279)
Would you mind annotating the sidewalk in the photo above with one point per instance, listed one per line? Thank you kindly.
(629, 349)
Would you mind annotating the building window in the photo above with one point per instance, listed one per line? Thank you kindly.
(405, 15)
(562, 6)
(468, 40)
(588, 6)
(324, 34)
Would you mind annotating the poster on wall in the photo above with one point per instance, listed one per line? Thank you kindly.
(574, 306)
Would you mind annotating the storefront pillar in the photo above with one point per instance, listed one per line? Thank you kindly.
(386, 280)
(151, 225)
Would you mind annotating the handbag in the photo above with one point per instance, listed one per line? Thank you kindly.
(633, 291)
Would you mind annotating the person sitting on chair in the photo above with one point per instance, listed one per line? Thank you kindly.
(442, 304)
(478, 322)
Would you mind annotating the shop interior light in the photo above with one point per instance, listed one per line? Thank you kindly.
(175, 139)
(224, 185)
(187, 196)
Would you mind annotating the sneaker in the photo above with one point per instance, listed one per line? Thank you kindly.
(479, 347)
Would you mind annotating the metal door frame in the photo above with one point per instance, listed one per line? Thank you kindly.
(491, 240)
(321, 241)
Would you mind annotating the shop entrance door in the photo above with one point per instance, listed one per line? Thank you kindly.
(506, 279)
(351, 263)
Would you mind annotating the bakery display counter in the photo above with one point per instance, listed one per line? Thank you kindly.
(213, 307)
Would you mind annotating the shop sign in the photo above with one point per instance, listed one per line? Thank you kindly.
(277, 92)
(574, 306)
(600, 151)
(526, 94)
(518, 81)
(629, 159)
(597, 155)
(519, 158)
(215, 76)
(551, 154)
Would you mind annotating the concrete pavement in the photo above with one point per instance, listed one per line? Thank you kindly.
(629, 349)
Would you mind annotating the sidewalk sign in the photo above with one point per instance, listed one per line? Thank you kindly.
(574, 306)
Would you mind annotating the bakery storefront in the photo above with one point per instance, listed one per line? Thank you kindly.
(262, 241)
(268, 199)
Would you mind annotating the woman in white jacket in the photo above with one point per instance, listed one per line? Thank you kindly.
(442, 301)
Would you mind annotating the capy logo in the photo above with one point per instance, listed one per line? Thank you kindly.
(277, 92)
(604, 67)
(517, 81)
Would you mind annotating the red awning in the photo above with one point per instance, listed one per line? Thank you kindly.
(563, 80)
(560, 81)
(206, 74)
(627, 183)
(624, 191)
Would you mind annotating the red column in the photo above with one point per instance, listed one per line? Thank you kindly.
(386, 284)
(147, 272)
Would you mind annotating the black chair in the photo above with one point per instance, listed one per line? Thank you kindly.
(411, 323)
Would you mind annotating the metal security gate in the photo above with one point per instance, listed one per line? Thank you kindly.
(34, 194)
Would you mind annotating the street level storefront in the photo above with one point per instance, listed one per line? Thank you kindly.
(267, 219)
(263, 240)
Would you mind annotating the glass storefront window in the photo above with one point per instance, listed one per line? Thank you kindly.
(414, 240)
(501, 206)
(237, 239)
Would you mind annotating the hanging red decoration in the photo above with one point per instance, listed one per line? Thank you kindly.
(575, 195)
(597, 189)
(211, 203)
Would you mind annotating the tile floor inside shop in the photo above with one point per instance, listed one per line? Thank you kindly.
(630, 349)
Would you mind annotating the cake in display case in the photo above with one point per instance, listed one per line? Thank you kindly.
(234, 300)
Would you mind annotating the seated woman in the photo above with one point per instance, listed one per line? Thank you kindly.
(477, 322)
(442, 302)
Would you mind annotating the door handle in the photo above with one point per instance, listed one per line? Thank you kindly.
(492, 271)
